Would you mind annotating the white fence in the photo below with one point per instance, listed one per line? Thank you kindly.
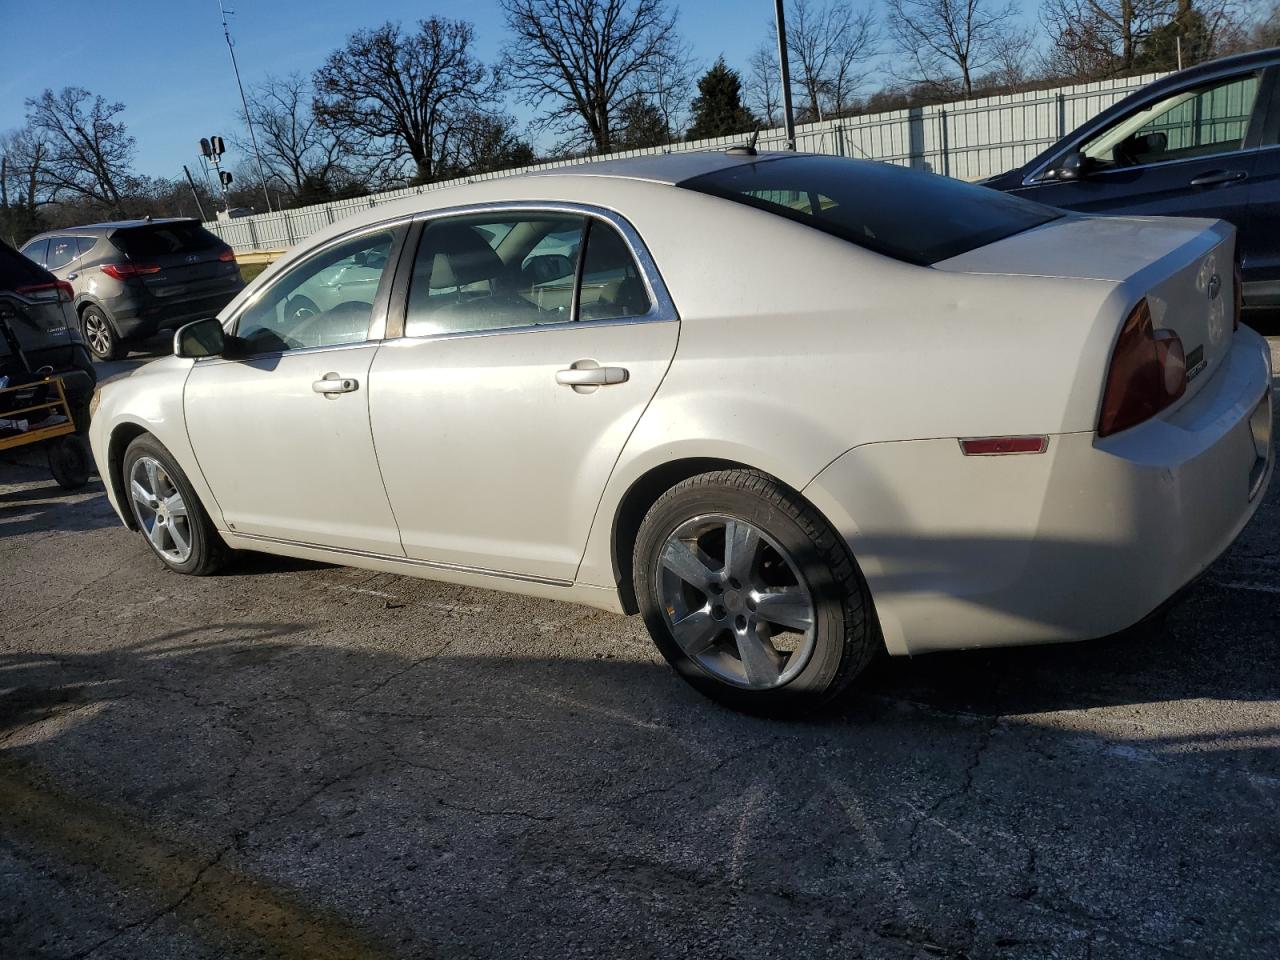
(967, 139)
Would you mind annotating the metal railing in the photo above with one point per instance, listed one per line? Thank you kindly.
(968, 139)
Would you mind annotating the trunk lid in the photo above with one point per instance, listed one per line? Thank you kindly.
(1184, 268)
(33, 318)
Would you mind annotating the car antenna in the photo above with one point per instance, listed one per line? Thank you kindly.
(747, 149)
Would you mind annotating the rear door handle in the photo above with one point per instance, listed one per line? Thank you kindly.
(592, 376)
(1218, 176)
(333, 384)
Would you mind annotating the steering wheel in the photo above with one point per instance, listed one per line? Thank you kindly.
(300, 308)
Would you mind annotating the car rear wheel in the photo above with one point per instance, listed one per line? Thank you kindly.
(99, 335)
(751, 595)
(168, 512)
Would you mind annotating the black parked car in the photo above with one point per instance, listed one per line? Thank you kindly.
(1204, 142)
(135, 277)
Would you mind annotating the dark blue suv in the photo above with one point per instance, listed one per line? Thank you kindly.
(1204, 142)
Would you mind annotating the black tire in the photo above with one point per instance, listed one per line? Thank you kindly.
(69, 462)
(208, 550)
(99, 334)
(846, 637)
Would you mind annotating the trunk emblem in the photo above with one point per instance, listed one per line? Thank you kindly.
(1215, 285)
(1213, 290)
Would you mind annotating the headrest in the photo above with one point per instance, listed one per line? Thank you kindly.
(458, 255)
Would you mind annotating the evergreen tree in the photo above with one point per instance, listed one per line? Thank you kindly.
(718, 109)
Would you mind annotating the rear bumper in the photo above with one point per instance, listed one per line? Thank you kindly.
(1082, 541)
(140, 314)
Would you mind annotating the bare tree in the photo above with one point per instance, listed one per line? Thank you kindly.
(1013, 56)
(946, 43)
(668, 87)
(829, 46)
(89, 150)
(763, 84)
(300, 153)
(582, 60)
(1100, 38)
(397, 96)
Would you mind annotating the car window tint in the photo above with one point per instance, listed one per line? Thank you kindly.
(1191, 123)
(161, 239)
(62, 250)
(85, 244)
(325, 301)
(487, 273)
(36, 251)
(18, 269)
(611, 283)
(905, 214)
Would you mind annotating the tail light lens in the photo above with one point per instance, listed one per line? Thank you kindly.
(123, 271)
(1148, 372)
(58, 290)
(227, 256)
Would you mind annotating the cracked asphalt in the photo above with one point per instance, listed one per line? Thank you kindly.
(302, 761)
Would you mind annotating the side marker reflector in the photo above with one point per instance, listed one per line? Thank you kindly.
(1000, 446)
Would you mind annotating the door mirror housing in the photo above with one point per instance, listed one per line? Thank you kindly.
(1075, 166)
(200, 338)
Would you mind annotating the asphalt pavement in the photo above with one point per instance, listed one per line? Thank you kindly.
(303, 761)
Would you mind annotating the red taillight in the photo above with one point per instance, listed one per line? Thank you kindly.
(123, 271)
(1237, 278)
(59, 289)
(999, 446)
(1148, 372)
(227, 256)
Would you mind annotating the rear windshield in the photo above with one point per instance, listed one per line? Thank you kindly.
(159, 239)
(905, 214)
(17, 271)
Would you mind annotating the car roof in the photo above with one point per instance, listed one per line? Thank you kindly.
(669, 168)
(111, 226)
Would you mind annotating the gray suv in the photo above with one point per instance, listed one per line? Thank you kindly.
(135, 277)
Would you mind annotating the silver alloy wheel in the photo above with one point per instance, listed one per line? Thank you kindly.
(736, 602)
(97, 332)
(160, 510)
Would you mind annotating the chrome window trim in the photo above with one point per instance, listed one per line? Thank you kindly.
(1037, 178)
(277, 354)
(662, 308)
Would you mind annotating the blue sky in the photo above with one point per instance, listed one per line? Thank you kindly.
(168, 63)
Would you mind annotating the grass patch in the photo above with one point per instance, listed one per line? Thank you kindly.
(250, 270)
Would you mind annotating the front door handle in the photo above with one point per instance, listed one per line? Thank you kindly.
(1218, 176)
(333, 384)
(592, 376)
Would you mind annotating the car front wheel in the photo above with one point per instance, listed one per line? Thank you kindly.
(168, 512)
(751, 595)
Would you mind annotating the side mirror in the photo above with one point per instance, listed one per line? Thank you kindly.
(1075, 166)
(200, 338)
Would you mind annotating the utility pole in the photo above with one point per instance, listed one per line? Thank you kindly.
(194, 192)
(784, 65)
(226, 31)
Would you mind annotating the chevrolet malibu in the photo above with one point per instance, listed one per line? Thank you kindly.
(793, 410)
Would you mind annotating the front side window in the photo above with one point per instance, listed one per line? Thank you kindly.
(1185, 125)
(324, 301)
(488, 272)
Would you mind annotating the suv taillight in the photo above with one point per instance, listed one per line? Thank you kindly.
(59, 290)
(227, 256)
(1148, 372)
(123, 271)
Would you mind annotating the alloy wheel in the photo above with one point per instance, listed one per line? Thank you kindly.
(97, 333)
(735, 602)
(161, 512)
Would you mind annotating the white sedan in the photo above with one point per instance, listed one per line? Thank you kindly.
(794, 410)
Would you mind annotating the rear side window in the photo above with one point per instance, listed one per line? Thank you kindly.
(85, 244)
(906, 214)
(162, 239)
(36, 251)
(62, 250)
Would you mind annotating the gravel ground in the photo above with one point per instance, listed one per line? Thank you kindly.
(301, 761)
